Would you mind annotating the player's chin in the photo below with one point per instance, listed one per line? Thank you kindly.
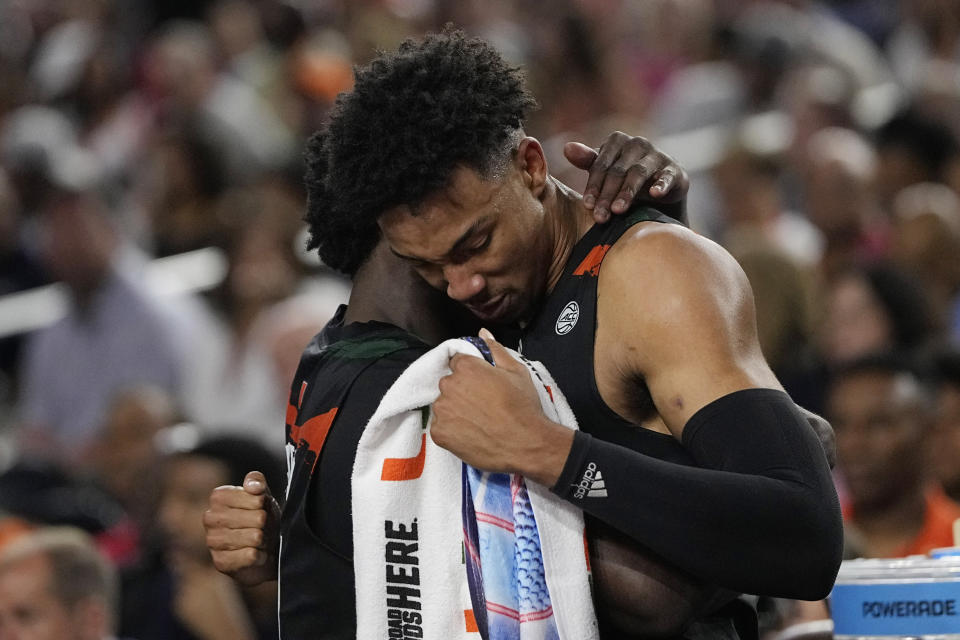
(497, 310)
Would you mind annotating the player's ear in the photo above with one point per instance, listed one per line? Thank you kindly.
(533, 165)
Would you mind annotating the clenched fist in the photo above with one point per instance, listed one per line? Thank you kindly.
(242, 526)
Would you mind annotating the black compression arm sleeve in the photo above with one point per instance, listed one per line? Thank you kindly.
(759, 514)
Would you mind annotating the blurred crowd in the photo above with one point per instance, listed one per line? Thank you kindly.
(151, 188)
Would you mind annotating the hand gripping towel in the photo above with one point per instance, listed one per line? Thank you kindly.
(411, 540)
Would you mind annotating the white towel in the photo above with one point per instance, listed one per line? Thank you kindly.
(407, 529)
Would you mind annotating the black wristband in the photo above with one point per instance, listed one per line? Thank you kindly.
(573, 468)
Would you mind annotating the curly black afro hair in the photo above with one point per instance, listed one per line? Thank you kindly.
(343, 240)
(413, 116)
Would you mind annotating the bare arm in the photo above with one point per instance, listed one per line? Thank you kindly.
(687, 326)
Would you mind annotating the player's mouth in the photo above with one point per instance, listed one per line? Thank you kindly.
(491, 309)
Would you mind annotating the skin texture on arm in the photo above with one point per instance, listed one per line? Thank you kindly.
(687, 327)
(690, 336)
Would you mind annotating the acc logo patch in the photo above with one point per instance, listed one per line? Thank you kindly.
(568, 318)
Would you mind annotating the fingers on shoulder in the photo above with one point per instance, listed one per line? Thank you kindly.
(580, 155)
(606, 160)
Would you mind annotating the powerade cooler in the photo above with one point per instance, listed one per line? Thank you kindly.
(915, 597)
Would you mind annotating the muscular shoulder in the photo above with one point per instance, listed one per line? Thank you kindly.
(678, 312)
(668, 271)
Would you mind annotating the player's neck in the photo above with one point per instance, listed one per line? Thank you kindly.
(385, 289)
(567, 221)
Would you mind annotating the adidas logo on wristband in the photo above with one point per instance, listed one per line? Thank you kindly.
(591, 484)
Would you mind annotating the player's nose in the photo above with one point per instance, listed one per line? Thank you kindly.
(462, 283)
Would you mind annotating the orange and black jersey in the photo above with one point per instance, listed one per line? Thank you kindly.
(343, 374)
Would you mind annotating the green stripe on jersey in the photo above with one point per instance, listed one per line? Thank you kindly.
(368, 348)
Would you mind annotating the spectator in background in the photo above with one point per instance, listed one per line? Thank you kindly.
(925, 40)
(182, 71)
(813, 96)
(39, 493)
(55, 585)
(912, 148)
(113, 335)
(839, 198)
(181, 595)
(926, 243)
(778, 249)
(12, 528)
(238, 30)
(883, 417)
(869, 309)
(238, 367)
(947, 437)
(124, 456)
(748, 181)
(702, 87)
(782, 296)
(319, 69)
(181, 182)
(19, 271)
(862, 309)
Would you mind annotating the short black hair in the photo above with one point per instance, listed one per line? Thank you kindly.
(892, 361)
(897, 363)
(931, 142)
(342, 240)
(904, 300)
(946, 366)
(413, 117)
